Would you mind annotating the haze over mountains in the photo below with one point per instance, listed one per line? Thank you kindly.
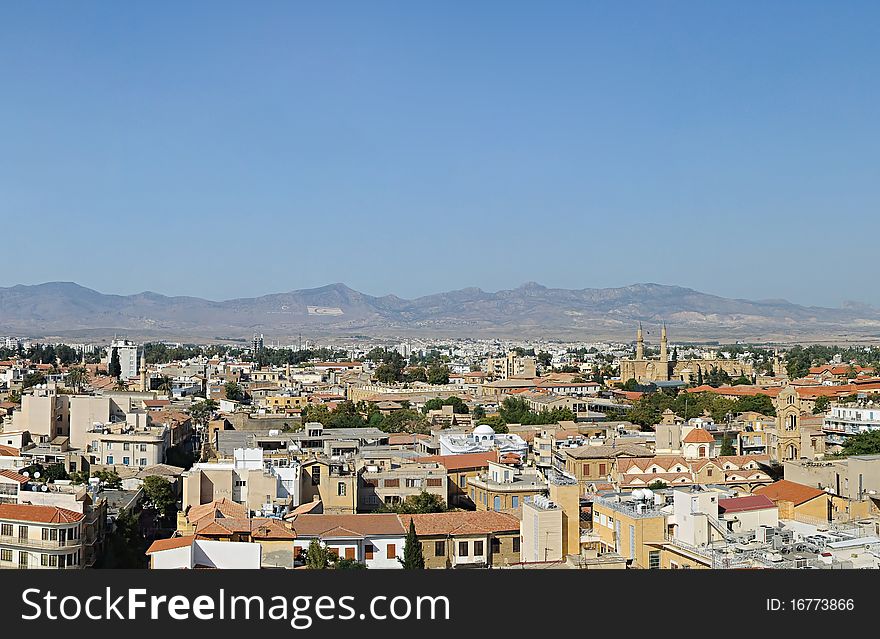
(66, 309)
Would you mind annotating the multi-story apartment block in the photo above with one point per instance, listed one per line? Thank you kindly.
(40, 537)
(393, 485)
(511, 365)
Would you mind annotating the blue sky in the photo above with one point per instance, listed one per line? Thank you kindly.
(233, 149)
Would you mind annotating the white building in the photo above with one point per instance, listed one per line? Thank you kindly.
(852, 420)
(189, 552)
(128, 357)
(40, 537)
(483, 438)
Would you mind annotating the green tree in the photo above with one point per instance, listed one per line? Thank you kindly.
(166, 385)
(114, 369)
(413, 558)
(77, 377)
(201, 412)
(127, 546)
(658, 484)
(109, 478)
(867, 443)
(457, 403)
(160, 494)
(420, 504)
(318, 557)
(821, 405)
(438, 375)
(233, 392)
(727, 448)
(545, 359)
(479, 412)
(33, 379)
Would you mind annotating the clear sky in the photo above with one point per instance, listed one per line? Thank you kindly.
(234, 149)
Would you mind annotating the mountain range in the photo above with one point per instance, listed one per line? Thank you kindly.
(67, 310)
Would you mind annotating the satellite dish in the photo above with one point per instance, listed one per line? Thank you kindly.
(45, 488)
(37, 475)
(26, 473)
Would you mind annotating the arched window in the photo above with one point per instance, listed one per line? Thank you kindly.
(497, 503)
(702, 451)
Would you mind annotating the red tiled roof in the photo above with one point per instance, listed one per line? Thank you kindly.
(744, 504)
(11, 474)
(9, 451)
(698, 436)
(461, 523)
(460, 462)
(169, 544)
(39, 514)
(785, 490)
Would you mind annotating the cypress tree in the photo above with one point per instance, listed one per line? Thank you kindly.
(413, 558)
(115, 368)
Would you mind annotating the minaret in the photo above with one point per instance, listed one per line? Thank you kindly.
(664, 353)
(144, 388)
(640, 344)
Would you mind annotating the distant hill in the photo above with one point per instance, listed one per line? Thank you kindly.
(66, 309)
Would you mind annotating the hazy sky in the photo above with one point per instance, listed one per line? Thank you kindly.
(235, 149)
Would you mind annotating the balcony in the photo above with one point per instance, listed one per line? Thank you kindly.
(12, 540)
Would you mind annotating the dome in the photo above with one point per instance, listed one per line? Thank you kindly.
(484, 429)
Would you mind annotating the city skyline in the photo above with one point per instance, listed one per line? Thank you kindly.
(411, 150)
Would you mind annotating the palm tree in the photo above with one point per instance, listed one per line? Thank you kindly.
(121, 385)
(166, 384)
(77, 377)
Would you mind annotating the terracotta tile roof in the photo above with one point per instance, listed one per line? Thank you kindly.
(9, 451)
(169, 544)
(225, 507)
(461, 523)
(39, 514)
(11, 474)
(698, 436)
(785, 490)
(744, 504)
(326, 525)
(306, 508)
(460, 462)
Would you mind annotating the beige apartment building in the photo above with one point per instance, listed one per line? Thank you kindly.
(511, 365)
(44, 413)
(389, 486)
(40, 537)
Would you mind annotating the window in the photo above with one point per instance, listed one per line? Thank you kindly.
(602, 469)
(125, 461)
(369, 549)
(44, 559)
(462, 549)
(143, 461)
(109, 460)
(349, 553)
(316, 476)
(514, 501)
(462, 481)
(439, 548)
(496, 503)
(340, 489)
(22, 559)
(5, 555)
(50, 534)
(495, 545)
(478, 548)
(6, 531)
(516, 544)
(125, 446)
(22, 532)
(586, 470)
(391, 551)
(654, 559)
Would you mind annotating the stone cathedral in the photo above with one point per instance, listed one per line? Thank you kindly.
(662, 369)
